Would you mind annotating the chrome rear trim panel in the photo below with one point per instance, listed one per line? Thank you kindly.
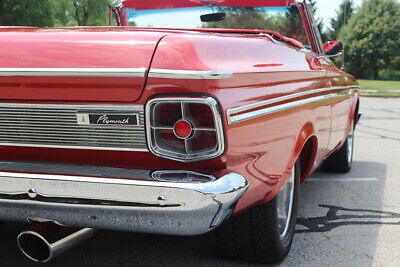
(56, 126)
(175, 207)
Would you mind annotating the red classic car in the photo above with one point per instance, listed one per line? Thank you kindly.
(185, 117)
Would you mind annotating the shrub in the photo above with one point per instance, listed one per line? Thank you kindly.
(389, 75)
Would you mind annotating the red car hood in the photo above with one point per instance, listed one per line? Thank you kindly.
(36, 64)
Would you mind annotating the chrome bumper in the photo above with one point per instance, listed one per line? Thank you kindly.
(164, 202)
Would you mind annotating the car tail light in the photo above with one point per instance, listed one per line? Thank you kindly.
(184, 129)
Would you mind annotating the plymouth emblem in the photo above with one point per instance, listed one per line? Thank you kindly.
(107, 119)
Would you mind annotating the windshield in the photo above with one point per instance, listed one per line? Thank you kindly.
(286, 21)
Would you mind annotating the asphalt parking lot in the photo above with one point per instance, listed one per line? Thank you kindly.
(346, 220)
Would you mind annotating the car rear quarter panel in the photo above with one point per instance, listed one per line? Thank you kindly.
(263, 149)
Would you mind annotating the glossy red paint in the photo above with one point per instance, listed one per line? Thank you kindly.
(163, 4)
(329, 45)
(75, 48)
(263, 149)
(272, 143)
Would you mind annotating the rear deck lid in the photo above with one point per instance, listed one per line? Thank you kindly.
(74, 64)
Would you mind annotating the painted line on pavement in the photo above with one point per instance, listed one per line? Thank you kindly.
(342, 179)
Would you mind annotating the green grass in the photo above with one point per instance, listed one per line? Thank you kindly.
(380, 93)
(380, 85)
(379, 88)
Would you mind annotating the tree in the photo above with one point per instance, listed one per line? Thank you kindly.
(26, 13)
(287, 24)
(243, 18)
(82, 12)
(343, 15)
(93, 10)
(1, 13)
(292, 25)
(372, 38)
(61, 13)
(43, 13)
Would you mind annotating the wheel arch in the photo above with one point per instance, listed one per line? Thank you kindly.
(305, 150)
(307, 157)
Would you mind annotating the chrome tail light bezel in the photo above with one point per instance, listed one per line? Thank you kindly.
(218, 125)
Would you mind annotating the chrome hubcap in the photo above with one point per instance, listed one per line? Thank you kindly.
(350, 143)
(285, 205)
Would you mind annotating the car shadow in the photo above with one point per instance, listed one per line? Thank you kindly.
(324, 208)
(111, 248)
(338, 212)
(337, 216)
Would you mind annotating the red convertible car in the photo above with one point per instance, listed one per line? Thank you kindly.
(187, 116)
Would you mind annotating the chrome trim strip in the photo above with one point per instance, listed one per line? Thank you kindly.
(190, 74)
(146, 206)
(254, 114)
(73, 106)
(269, 37)
(74, 72)
(262, 112)
(73, 169)
(284, 98)
(76, 147)
(204, 188)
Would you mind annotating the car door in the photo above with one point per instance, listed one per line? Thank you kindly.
(340, 103)
(337, 82)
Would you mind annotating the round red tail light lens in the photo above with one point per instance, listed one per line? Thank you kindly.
(183, 129)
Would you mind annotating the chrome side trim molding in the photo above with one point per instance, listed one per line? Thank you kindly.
(265, 111)
(74, 72)
(232, 118)
(190, 74)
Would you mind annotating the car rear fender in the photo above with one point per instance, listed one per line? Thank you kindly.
(305, 149)
(354, 115)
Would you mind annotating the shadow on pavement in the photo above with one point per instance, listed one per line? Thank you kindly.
(342, 218)
(325, 207)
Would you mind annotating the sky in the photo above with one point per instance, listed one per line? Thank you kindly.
(326, 9)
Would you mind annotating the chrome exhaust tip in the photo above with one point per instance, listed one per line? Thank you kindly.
(45, 241)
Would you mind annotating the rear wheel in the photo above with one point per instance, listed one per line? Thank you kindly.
(264, 233)
(342, 160)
